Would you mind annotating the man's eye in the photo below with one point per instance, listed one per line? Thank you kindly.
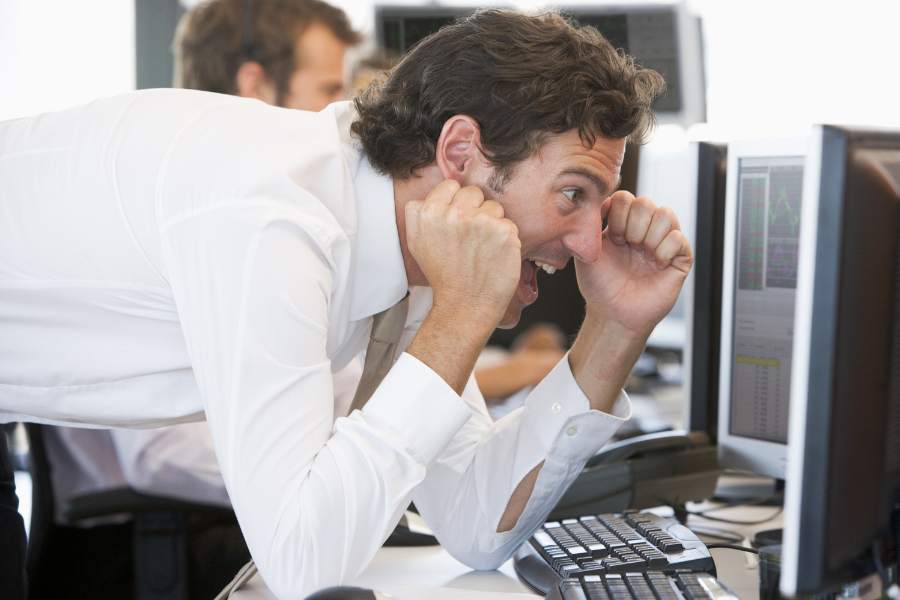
(571, 194)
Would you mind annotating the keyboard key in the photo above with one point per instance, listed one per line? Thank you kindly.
(617, 588)
(571, 590)
(640, 589)
(671, 546)
(576, 551)
(594, 588)
(625, 566)
(690, 587)
(662, 587)
(657, 560)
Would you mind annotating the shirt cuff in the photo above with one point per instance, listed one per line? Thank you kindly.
(417, 404)
(559, 415)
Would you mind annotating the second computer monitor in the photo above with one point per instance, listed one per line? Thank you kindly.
(762, 231)
(841, 506)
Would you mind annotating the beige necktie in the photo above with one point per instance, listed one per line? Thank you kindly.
(387, 326)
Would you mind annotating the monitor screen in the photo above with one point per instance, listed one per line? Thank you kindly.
(765, 187)
(768, 219)
(660, 36)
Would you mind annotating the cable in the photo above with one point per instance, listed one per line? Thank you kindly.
(733, 522)
(753, 502)
(721, 534)
(733, 547)
(243, 576)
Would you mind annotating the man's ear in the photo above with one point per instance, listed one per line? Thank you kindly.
(253, 82)
(458, 150)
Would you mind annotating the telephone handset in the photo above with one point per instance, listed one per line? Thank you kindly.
(643, 445)
(657, 469)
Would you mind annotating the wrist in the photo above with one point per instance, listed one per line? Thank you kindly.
(466, 315)
(449, 342)
(602, 357)
(599, 318)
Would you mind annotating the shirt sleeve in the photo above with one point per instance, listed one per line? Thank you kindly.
(179, 461)
(314, 498)
(176, 462)
(467, 491)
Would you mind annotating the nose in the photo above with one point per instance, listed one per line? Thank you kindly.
(584, 238)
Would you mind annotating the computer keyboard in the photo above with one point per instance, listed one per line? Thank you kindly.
(651, 585)
(609, 544)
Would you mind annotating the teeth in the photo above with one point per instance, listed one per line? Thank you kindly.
(550, 270)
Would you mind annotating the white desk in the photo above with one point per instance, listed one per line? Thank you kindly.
(429, 573)
(421, 572)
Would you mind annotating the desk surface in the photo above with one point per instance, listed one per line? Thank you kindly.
(429, 573)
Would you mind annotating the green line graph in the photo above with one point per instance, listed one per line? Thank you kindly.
(783, 226)
(775, 210)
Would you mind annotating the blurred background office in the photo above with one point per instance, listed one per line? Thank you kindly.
(767, 68)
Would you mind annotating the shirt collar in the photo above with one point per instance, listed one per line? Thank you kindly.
(380, 275)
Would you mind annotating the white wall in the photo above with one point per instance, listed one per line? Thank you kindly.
(777, 66)
(774, 66)
(60, 53)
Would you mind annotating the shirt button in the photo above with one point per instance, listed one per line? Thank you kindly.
(556, 408)
(571, 431)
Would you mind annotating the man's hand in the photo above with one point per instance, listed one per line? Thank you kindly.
(471, 257)
(644, 260)
(643, 263)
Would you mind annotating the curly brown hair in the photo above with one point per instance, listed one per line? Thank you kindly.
(219, 36)
(521, 77)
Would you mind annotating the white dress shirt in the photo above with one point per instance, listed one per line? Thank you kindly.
(169, 252)
(177, 461)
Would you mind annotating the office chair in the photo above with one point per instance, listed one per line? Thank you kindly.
(170, 550)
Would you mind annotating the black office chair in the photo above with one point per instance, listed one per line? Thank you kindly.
(170, 550)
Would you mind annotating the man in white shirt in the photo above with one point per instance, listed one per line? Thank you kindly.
(169, 253)
(285, 53)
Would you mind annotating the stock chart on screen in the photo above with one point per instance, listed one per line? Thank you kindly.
(769, 211)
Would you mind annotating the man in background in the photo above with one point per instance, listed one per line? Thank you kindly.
(289, 54)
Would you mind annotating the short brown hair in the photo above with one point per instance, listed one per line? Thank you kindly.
(521, 77)
(221, 35)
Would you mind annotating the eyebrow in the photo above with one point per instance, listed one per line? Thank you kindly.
(601, 186)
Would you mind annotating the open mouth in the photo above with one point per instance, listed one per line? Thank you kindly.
(528, 286)
(528, 277)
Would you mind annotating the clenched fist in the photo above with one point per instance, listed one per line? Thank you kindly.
(469, 253)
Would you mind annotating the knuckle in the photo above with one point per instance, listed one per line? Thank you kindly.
(470, 192)
(622, 197)
(494, 206)
(666, 212)
(644, 203)
(449, 185)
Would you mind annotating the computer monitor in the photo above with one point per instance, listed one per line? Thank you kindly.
(663, 36)
(691, 181)
(844, 458)
(762, 228)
